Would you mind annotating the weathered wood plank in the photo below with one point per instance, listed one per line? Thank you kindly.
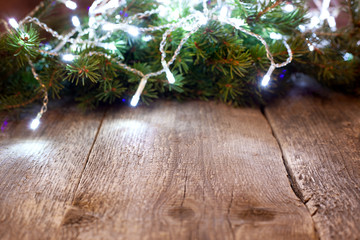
(186, 171)
(321, 146)
(40, 170)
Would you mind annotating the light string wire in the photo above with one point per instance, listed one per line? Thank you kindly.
(196, 20)
(35, 123)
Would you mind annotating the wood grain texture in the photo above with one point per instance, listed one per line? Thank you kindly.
(320, 139)
(40, 170)
(186, 171)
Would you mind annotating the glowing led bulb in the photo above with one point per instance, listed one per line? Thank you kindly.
(348, 56)
(202, 19)
(170, 77)
(68, 57)
(289, 7)
(238, 22)
(163, 11)
(133, 31)
(275, 36)
(332, 22)
(135, 100)
(108, 26)
(314, 21)
(266, 79)
(35, 122)
(112, 4)
(223, 13)
(146, 38)
(302, 28)
(75, 20)
(92, 21)
(13, 23)
(71, 4)
(110, 46)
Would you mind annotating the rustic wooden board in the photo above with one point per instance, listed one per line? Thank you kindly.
(186, 171)
(40, 170)
(320, 139)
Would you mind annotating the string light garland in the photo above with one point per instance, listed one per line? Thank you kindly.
(99, 29)
(36, 121)
(195, 21)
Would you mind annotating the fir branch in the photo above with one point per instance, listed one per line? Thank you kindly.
(277, 3)
(86, 67)
(22, 104)
(23, 43)
(217, 62)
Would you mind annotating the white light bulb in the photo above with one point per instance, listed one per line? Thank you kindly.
(289, 7)
(331, 22)
(75, 20)
(112, 4)
(13, 23)
(71, 4)
(111, 46)
(174, 16)
(202, 19)
(302, 28)
(314, 21)
(187, 27)
(92, 21)
(73, 47)
(133, 31)
(146, 38)
(223, 13)
(311, 47)
(135, 100)
(266, 79)
(348, 57)
(163, 11)
(238, 22)
(275, 36)
(108, 26)
(170, 77)
(35, 123)
(68, 57)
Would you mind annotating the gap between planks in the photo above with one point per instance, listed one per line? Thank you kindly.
(85, 195)
(88, 155)
(292, 181)
(290, 176)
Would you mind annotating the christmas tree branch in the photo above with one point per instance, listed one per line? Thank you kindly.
(277, 3)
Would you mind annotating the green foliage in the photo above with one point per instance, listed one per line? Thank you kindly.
(83, 68)
(22, 43)
(217, 62)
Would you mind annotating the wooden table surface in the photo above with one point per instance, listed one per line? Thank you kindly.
(195, 170)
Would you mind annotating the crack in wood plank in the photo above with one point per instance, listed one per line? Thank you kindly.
(184, 196)
(320, 144)
(88, 156)
(39, 171)
(292, 180)
(203, 176)
(228, 215)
